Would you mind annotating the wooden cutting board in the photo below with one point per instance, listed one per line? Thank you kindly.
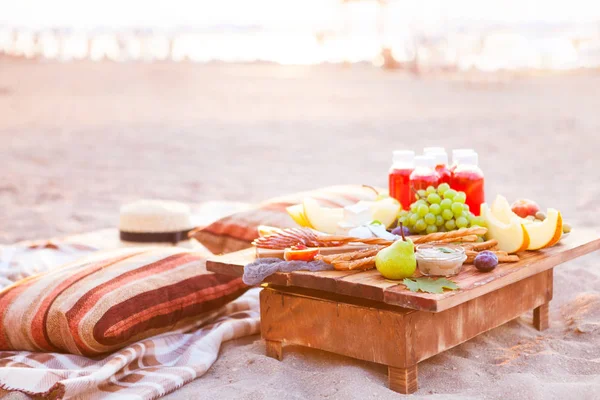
(370, 285)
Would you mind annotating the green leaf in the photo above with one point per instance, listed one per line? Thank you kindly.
(429, 285)
(445, 250)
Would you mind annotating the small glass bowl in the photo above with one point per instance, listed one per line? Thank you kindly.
(434, 262)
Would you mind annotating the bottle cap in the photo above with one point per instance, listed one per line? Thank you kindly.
(441, 158)
(457, 152)
(428, 150)
(425, 161)
(403, 157)
(467, 158)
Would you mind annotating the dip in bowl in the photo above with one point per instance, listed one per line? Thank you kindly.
(440, 259)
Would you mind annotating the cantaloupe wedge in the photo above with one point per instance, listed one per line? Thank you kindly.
(322, 218)
(501, 210)
(297, 214)
(512, 237)
(545, 233)
(541, 234)
(385, 211)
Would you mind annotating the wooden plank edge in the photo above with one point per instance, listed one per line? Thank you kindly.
(391, 296)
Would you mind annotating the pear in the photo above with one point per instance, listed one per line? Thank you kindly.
(398, 260)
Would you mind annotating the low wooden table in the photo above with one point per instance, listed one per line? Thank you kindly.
(365, 316)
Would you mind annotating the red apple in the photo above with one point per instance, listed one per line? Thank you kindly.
(300, 253)
(525, 207)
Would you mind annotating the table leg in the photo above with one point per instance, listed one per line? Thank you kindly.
(403, 380)
(274, 349)
(540, 317)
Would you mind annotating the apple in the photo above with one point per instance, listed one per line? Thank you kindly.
(300, 253)
(524, 207)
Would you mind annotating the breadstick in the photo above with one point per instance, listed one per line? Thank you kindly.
(503, 257)
(468, 238)
(434, 237)
(347, 239)
(349, 256)
(474, 253)
(360, 264)
(483, 245)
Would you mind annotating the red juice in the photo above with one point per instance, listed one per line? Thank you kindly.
(403, 165)
(399, 185)
(444, 173)
(441, 163)
(399, 181)
(423, 181)
(424, 174)
(470, 179)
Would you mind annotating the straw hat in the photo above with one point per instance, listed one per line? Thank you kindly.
(152, 222)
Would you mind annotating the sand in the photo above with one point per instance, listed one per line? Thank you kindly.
(80, 139)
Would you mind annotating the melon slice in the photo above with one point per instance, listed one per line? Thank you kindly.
(541, 234)
(322, 218)
(545, 233)
(512, 236)
(501, 210)
(297, 214)
(385, 211)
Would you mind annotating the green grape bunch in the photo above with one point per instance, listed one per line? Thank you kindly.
(438, 209)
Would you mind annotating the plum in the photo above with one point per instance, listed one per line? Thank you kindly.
(398, 231)
(486, 261)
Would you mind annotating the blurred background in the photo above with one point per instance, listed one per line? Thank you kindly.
(103, 102)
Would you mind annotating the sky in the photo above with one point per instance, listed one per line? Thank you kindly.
(281, 14)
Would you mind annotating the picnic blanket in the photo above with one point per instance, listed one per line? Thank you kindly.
(145, 370)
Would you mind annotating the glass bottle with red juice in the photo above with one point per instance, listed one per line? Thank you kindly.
(399, 185)
(468, 177)
(424, 174)
(441, 163)
(456, 153)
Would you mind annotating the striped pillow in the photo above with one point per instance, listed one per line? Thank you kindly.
(111, 299)
(237, 231)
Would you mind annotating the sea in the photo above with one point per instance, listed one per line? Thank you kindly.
(432, 35)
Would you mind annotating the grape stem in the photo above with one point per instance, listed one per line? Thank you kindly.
(417, 194)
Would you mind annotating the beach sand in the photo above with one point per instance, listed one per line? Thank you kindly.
(80, 139)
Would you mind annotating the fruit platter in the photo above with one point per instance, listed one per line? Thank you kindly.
(419, 267)
(436, 227)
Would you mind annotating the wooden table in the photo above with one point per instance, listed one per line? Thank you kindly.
(365, 316)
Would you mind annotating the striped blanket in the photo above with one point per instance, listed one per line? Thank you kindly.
(147, 369)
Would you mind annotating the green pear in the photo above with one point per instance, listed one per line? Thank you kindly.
(397, 261)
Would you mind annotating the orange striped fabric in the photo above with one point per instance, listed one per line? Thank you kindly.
(145, 370)
(237, 231)
(108, 300)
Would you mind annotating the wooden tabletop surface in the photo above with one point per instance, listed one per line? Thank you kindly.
(371, 285)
